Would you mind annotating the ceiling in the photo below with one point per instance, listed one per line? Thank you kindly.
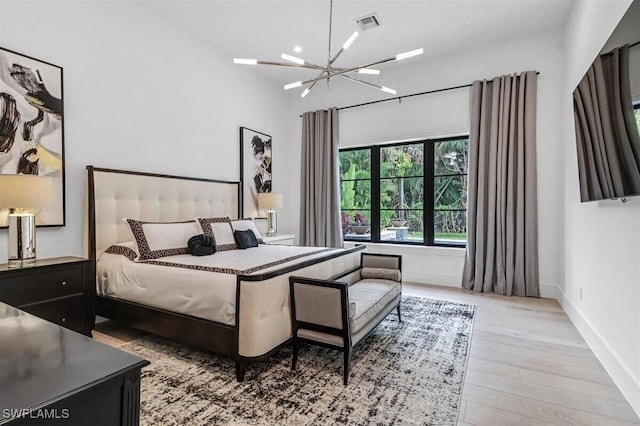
(265, 29)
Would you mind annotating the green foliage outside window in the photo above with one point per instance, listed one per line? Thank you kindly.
(450, 189)
(402, 191)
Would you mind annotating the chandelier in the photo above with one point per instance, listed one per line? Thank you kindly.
(330, 70)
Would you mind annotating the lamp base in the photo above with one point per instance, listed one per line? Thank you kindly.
(272, 222)
(19, 264)
(21, 239)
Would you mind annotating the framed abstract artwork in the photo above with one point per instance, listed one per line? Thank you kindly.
(255, 168)
(32, 126)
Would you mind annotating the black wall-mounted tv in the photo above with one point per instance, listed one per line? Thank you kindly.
(607, 116)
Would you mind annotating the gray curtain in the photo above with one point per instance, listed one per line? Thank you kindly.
(607, 137)
(502, 245)
(320, 181)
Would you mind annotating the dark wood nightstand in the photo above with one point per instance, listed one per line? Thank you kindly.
(58, 290)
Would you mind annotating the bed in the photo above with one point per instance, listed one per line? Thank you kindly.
(234, 303)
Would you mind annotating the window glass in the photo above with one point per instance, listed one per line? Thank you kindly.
(402, 160)
(451, 157)
(450, 186)
(402, 192)
(450, 192)
(355, 193)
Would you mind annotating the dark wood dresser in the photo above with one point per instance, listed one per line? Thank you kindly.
(52, 376)
(58, 290)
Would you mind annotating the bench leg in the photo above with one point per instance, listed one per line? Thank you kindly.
(240, 368)
(295, 354)
(347, 365)
(399, 316)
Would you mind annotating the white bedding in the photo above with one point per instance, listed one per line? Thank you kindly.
(200, 293)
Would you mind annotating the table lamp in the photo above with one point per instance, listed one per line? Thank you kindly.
(23, 195)
(269, 201)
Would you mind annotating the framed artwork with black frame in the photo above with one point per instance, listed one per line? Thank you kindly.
(255, 168)
(32, 126)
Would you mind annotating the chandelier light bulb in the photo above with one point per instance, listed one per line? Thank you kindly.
(409, 54)
(388, 90)
(292, 59)
(297, 49)
(305, 92)
(368, 71)
(245, 61)
(292, 85)
(350, 40)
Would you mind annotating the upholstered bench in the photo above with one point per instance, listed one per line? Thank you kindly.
(340, 313)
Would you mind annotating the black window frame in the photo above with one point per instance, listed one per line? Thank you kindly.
(428, 210)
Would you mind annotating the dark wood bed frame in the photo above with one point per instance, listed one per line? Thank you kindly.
(212, 336)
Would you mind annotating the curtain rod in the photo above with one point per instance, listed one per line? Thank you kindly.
(399, 98)
(615, 48)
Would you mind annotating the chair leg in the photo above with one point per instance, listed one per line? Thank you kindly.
(347, 365)
(295, 354)
(399, 316)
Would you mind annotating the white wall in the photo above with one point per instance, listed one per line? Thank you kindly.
(447, 113)
(138, 95)
(601, 291)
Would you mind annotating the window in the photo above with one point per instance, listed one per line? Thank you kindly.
(411, 193)
(636, 107)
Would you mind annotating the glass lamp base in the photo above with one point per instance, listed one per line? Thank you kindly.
(21, 239)
(272, 225)
(22, 263)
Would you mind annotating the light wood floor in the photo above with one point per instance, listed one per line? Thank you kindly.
(528, 364)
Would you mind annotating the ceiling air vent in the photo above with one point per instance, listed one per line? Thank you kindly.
(369, 21)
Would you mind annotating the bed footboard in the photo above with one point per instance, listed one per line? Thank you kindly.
(263, 309)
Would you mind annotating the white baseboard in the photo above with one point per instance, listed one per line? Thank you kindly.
(444, 280)
(617, 369)
(548, 291)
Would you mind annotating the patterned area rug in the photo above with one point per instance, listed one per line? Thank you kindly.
(403, 373)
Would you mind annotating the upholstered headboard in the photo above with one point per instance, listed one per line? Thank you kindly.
(116, 194)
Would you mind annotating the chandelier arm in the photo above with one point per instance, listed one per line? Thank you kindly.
(332, 60)
(308, 89)
(314, 66)
(344, 47)
(347, 70)
(292, 65)
(357, 80)
(321, 76)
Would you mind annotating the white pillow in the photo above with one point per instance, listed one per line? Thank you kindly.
(246, 224)
(220, 229)
(160, 239)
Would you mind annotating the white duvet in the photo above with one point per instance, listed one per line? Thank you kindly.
(169, 284)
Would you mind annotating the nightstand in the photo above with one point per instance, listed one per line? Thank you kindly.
(281, 239)
(53, 376)
(58, 290)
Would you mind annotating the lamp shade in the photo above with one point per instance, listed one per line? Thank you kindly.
(25, 191)
(270, 200)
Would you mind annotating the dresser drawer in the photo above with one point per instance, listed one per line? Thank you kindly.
(68, 312)
(41, 285)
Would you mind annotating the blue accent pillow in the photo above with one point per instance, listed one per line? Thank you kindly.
(245, 239)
